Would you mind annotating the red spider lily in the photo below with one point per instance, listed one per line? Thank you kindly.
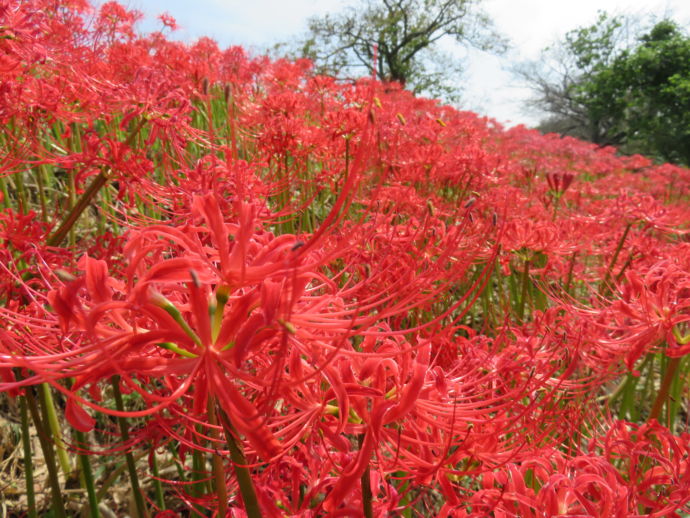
(592, 484)
(653, 309)
(348, 350)
(20, 233)
(131, 324)
(210, 322)
(168, 21)
(559, 181)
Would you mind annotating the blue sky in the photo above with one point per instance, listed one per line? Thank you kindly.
(489, 89)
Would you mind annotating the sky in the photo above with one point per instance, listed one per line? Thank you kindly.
(489, 88)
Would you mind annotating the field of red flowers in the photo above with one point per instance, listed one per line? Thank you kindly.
(241, 289)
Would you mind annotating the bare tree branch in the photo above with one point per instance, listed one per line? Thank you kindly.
(406, 33)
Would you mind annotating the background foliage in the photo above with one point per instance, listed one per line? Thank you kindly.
(614, 89)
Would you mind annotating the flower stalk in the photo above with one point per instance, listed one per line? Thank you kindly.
(217, 461)
(28, 462)
(48, 404)
(131, 465)
(48, 453)
(605, 286)
(663, 394)
(239, 461)
(88, 475)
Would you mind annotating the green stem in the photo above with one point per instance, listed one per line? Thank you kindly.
(487, 306)
(72, 196)
(222, 297)
(114, 475)
(607, 278)
(675, 394)
(87, 474)
(55, 430)
(239, 461)
(523, 294)
(5, 193)
(28, 463)
(177, 350)
(163, 303)
(131, 466)
(21, 192)
(625, 266)
(59, 235)
(662, 395)
(41, 192)
(48, 454)
(217, 461)
(157, 486)
(556, 202)
(198, 475)
(628, 389)
(570, 273)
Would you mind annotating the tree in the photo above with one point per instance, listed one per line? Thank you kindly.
(398, 39)
(558, 76)
(652, 82)
(608, 87)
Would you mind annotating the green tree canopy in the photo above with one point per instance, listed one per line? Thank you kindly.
(398, 39)
(612, 89)
(557, 80)
(651, 84)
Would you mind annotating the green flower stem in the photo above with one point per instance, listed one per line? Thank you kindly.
(21, 192)
(198, 475)
(72, 197)
(557, 195)
(131, 466)
(662, 395)
(28, 463)
(217, 461)
(158, 487)
(244, 478)
(5, 193)
(524, 291)
(628, 391)
(676, 393)
(49, 407)
(48, 454)
(88, 475)
(605, 285)
(114, 475)
(39, 171)
(569, 282)
(487, 306)
(625, 266)
(59, 235)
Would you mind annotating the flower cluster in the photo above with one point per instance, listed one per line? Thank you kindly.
(278, 294)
